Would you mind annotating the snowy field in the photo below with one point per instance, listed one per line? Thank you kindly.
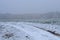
(28, 31)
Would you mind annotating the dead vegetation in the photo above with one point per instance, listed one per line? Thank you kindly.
(8, 35)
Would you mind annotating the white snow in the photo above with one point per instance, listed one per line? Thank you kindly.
(27, 31)
(54, 28)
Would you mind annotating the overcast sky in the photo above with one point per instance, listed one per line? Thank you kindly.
(29, 6)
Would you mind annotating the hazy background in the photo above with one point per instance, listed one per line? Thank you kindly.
(29, 6)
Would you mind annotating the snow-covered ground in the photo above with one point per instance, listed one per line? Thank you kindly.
(28, 31)
(50, 27)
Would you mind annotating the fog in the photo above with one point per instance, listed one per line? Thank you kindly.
(29, 6)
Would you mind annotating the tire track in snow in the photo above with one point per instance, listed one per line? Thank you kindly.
(38, 32)
(34, 32)
(52, 32)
